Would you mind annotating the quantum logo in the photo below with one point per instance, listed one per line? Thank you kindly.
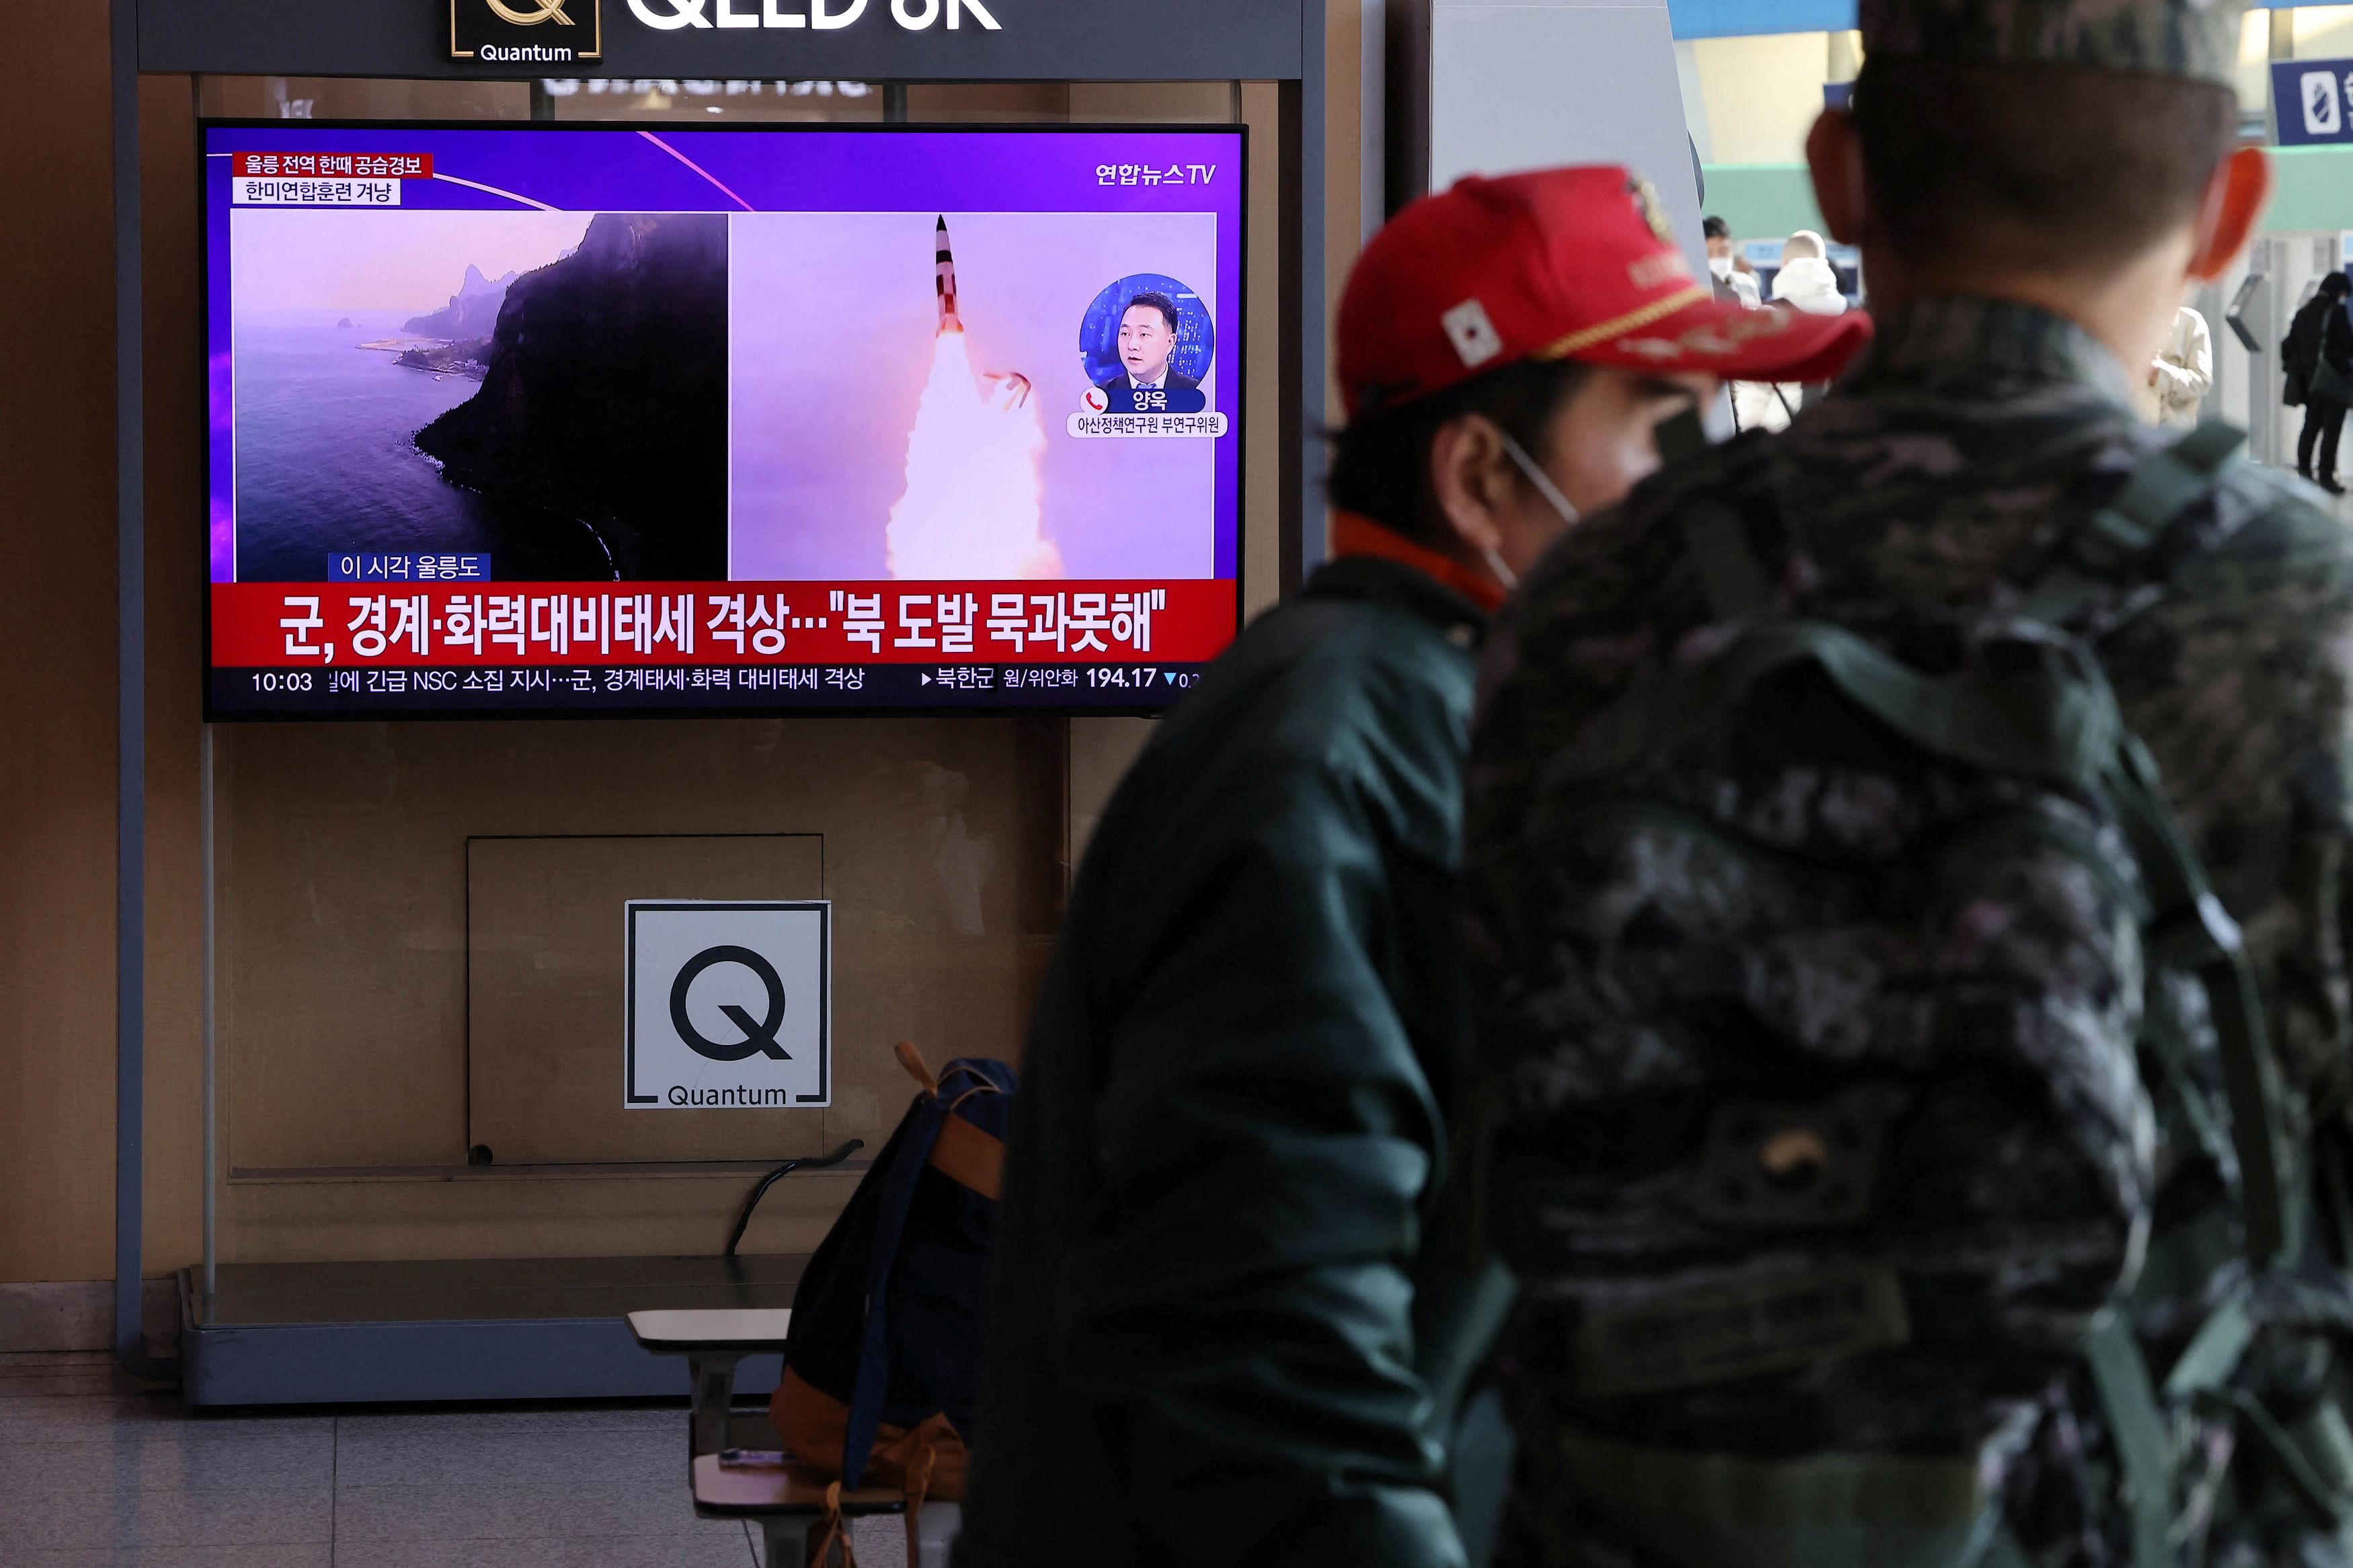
(549, 11)
(820, 15)
(516, 31)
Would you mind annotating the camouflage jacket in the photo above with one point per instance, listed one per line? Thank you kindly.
(1975, 433)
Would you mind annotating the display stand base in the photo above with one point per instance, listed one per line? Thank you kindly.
(499, 1328)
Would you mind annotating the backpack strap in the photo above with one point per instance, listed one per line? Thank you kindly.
(931, 1137)
(2193, 930)
(2111, 546)
(2106, 548)
(2051, 723)
(917, 1138)
(2190, 928)
(2137, 1430)
(2167, 484)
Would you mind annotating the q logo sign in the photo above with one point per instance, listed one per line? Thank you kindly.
(760, 1037)
(728, 1006)
(532, 32)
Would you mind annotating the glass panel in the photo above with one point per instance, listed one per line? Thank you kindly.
(721, 102)
(347, 97)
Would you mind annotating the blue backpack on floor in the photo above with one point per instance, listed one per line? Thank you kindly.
(882, 1360)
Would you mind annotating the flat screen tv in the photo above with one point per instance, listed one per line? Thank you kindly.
(537, 420)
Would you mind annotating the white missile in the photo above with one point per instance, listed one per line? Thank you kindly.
(945, 279)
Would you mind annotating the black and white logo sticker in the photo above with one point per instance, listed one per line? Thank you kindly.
(728, 1006)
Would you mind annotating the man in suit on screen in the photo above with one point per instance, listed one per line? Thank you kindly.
(1148, 343)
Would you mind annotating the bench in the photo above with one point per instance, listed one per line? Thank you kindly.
(732, 1462)
(714, 1345)
(786, 1500)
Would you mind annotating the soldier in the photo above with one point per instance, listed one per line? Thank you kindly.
(1811, 952)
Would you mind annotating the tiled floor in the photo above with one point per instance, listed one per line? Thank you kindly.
(100, 1472)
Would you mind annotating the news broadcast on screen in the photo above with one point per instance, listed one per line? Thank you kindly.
(545, 420)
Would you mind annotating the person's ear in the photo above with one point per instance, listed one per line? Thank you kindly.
(1470, 479)
(1834, 154)
(2235, 195)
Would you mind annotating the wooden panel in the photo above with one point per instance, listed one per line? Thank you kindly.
(546, 985)
(1153, 103)
(57, 643)
(506, 1214)
(1101, 750)
(984, 102)
(343, 868)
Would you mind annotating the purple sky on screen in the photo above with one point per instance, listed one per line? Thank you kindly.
(288, 258)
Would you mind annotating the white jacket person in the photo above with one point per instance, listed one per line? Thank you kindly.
(1806, 283)
(2183, 374)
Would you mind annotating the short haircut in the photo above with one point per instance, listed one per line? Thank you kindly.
(2055, 166)
(2336, 285)
(1380, 463)
(1714, 229)
(1160, 302)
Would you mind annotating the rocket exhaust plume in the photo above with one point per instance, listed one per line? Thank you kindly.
(971, 508)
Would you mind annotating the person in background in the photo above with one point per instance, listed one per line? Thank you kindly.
(1239, 1294)
(1735, 280)
(2181, 374)
(2318, 357)
(1807, 282)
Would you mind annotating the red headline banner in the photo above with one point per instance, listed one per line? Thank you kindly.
(335, 624)
(337, 165)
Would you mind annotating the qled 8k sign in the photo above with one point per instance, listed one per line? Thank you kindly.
(577, 420)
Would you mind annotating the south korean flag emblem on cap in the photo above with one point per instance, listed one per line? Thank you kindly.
(1475, 337)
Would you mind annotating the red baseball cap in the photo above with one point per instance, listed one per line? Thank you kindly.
(1555, 264)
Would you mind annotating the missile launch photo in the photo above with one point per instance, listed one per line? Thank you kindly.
(944, 277)
(970, 508)
(903, 383)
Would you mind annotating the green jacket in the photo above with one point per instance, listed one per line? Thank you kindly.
(1230, 1319)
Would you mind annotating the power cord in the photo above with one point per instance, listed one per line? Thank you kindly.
(807, 1162)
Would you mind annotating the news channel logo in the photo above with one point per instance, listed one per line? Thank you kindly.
(1112, 377)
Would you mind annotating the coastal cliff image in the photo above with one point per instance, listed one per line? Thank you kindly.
(471, 311)
(563, 411)
(603, 401)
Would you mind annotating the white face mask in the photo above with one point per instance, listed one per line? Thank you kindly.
(1535, 476)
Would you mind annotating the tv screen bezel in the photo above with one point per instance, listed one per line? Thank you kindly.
(1238, 289)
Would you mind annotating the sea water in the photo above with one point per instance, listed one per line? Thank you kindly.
(326, 454)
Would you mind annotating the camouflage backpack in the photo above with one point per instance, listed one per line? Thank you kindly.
(1878, 1071)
